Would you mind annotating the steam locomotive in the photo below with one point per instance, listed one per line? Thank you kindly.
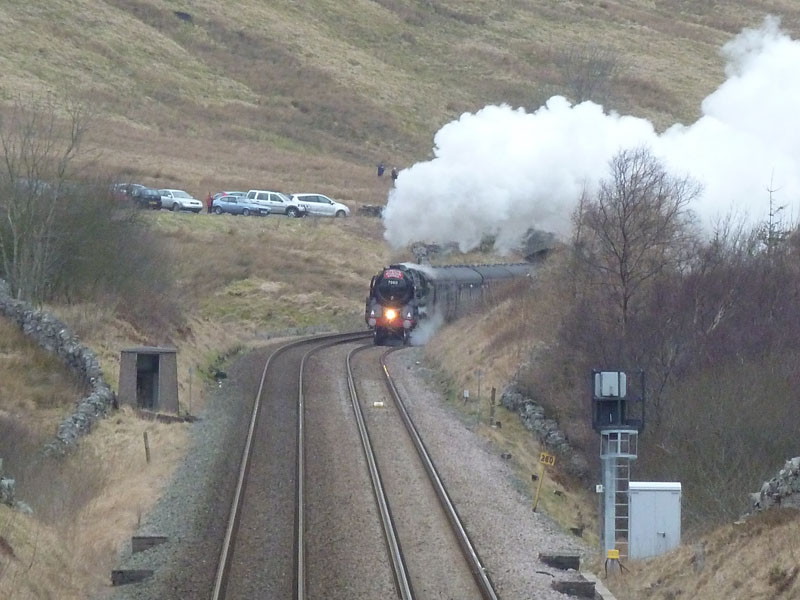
(404, 296)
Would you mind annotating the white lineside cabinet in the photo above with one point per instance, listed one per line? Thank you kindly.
(655, 517)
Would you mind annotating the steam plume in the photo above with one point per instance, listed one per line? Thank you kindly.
(501, 171)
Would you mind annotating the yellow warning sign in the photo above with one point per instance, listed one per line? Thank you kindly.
(547, 459)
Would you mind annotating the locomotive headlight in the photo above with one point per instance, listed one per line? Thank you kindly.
(391, 314)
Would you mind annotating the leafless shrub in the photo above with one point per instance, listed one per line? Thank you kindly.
(62, 237)
(712, 324)
(725, 431)
(111, 255)
(40, 140)
(589, 70)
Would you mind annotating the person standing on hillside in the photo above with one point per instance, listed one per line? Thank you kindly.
(209, 202)
(394, 175)
(381, 169)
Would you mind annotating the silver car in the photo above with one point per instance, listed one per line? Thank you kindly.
(278, 203)
(237, 205)
(176, 200)
(321, 205)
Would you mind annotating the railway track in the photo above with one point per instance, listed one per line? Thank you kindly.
(240, 561)
(454, 585)
(299, 443)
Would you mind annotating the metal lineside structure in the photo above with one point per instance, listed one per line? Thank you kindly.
(618, 416)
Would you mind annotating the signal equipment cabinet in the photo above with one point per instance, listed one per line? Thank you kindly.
(655, 517)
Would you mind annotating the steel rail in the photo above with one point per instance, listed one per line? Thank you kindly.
(399, 568)
(476, 566)
(300, 546)
(223, 563)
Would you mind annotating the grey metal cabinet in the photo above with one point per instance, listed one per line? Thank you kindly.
(655, 517)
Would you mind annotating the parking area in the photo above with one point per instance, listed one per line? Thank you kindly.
(254, 202)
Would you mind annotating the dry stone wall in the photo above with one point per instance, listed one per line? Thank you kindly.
(7, 490)
(783, 490)
(533, 418)
(55, 337)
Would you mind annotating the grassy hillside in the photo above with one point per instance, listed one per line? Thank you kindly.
(312, 95)
(209, 95)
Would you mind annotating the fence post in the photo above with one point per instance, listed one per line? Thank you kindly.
(146, 448)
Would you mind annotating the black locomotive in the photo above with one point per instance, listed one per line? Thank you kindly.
(403, 296)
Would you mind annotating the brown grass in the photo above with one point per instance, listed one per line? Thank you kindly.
(755, 559)
(35, 388)
(244, 106)
(86, 505)
(758, 558)
(69, 545)
(495, 343)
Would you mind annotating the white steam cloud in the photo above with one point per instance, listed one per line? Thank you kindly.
(426, 329)
(501, 171)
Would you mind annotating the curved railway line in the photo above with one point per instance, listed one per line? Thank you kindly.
(299, 441)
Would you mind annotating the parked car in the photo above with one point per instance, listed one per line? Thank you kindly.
(237, 194)
(236, 205)
(146, 197)
(176, 200)
(125, 191)
(278, 203)
(318, 204)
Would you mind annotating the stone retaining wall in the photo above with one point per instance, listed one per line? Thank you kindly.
(55, 337)
(546, 430)
(781, 490)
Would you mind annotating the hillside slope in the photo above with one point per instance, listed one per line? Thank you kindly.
(206, 95)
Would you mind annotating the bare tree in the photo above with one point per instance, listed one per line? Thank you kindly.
(638, 227)
(40, 139)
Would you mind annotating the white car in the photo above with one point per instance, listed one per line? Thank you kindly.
(278, 203)
(317, 204)
(176, 200)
